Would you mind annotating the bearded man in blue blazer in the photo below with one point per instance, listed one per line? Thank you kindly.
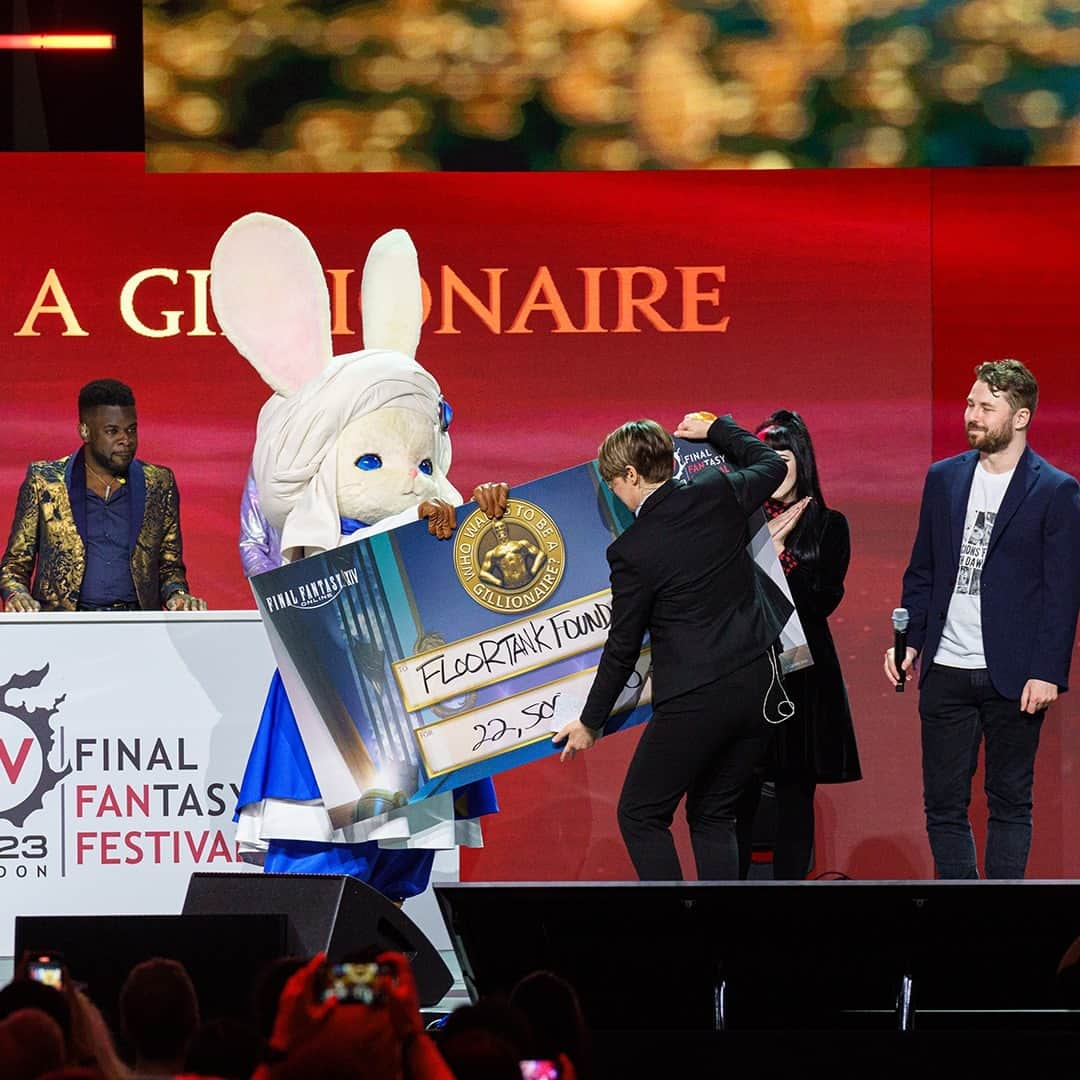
(992, 590)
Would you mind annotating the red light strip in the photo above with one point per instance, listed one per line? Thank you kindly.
(57, 41)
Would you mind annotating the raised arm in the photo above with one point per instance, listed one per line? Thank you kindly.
(759, 469)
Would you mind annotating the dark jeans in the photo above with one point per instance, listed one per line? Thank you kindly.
(704, 745)
(960, 708)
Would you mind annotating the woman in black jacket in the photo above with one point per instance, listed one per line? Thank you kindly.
(817, 744)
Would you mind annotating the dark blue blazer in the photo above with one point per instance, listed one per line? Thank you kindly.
(1030, 582)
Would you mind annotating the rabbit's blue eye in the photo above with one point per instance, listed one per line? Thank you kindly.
(426, 467)
(369, 462)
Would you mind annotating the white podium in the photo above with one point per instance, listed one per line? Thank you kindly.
(123, 740)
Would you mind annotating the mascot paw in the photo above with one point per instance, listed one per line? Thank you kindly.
(440, 516)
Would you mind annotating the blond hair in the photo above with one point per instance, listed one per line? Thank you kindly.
(641, 443)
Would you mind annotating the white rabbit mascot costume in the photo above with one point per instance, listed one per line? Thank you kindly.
(345, 447)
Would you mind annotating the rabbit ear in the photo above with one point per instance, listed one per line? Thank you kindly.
(390, 303)
(271, 301)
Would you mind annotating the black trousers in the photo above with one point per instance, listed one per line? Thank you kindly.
(704, 745)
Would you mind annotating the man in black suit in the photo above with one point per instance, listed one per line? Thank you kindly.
(683, 573)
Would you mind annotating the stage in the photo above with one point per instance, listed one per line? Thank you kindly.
(728, 956)
(868, 955)
(740, 961)
(673, 978)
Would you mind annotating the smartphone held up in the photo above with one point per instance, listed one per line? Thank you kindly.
(47, 969)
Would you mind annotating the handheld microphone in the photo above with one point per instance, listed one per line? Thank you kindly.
(900, 625)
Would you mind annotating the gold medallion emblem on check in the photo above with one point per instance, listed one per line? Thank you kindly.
(513, 564)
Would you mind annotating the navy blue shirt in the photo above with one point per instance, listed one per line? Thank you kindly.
(108, 559)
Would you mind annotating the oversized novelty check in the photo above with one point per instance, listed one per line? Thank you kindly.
(415, 666)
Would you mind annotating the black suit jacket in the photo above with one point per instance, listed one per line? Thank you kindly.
(682, 572)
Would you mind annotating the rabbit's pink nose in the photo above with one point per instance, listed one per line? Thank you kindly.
(412, 473)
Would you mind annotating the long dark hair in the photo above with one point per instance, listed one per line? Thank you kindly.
(786, 430)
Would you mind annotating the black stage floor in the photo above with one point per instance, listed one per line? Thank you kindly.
(871, 957)
(873, 978)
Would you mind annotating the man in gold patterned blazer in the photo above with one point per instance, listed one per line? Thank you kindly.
(98, 530)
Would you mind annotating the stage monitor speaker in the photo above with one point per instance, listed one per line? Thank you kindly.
(223, 955)
(330, 913)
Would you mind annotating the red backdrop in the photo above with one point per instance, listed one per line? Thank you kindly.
(863, 299)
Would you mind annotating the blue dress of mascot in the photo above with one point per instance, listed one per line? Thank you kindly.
(345, 447)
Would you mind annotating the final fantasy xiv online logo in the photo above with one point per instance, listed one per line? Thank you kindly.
(313, 594)
(26, 741)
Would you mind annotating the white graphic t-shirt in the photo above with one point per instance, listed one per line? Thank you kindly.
(961, 640)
